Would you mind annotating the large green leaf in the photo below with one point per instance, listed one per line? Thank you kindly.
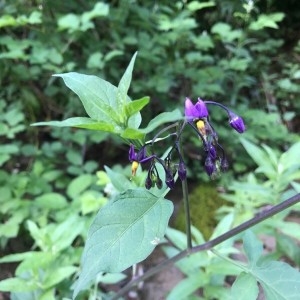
(97, 95)
(123, 233)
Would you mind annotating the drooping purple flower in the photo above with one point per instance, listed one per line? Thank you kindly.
(195, 111)
(236, 122)
(137, 157)
(212, 151)
(210, 166)
(182, 170)
(170, 180)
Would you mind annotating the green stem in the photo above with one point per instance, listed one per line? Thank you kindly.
(212, 243)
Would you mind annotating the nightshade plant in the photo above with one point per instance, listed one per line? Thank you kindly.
(128, 228)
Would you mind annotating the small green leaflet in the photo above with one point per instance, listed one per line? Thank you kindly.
(278, 279)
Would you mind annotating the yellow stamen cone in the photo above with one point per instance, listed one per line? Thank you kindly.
(134, 167)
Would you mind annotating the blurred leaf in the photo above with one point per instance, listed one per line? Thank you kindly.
(270, 21)
(17, 285)
(79, 184)
(123, 233)
(53, 278)
(69, 21)
(253, 248)
(51, 201)
(195, 5)
(188, 285)
(260, 157)
(245, 287)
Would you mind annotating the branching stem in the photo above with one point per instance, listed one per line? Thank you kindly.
(212, 243)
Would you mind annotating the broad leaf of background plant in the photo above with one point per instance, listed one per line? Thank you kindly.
(123, 233)
(279, 280)
(260, 157)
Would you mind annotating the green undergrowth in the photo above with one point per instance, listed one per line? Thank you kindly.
(204, 202)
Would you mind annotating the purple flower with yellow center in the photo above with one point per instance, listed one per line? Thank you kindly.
(195, 111)
(137, 157)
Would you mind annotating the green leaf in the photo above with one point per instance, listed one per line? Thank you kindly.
(279, 281)
(124, 232)
(253, 247)
(53, 278)
(195, 5)
(267, 21)
(51, 201)
(97, 96)
(17, 285)
(124, 83)
(79, 184)
(118, 180)
(244, 287)
(16, 257)
(135, 106)
(260, 157)
(188, 285)
(162, 118)
(80, 122)
(133, 134)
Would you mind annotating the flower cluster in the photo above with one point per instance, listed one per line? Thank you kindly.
(196, 116)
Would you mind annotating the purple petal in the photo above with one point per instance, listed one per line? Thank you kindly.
(201, 109)
(209, 165)
(190, 111)
(132, 154)
(236, 122)
(182, 171)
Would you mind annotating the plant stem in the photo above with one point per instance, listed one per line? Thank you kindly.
(212, 243)
(185, 195)
(187, 214)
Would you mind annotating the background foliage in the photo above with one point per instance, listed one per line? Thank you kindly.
(243, 54)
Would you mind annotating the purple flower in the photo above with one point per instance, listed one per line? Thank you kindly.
(212, 151)
(236, 122)
(210, 166)
(170, 180)
(182, 170)
(137, 158)
(195, 111)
